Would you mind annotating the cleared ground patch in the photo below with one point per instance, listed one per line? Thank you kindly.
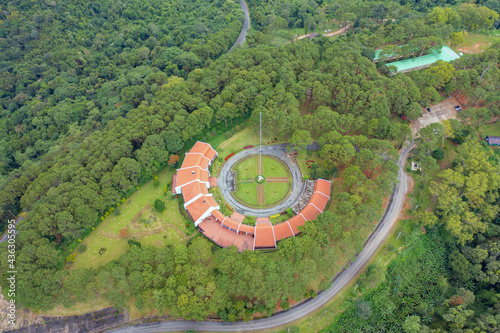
(475, 43)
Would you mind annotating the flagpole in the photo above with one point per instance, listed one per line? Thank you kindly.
(260, 144)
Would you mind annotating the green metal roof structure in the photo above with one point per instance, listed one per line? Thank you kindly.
(404, 66)
(378, 55)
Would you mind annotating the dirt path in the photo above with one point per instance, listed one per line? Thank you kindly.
(329, 34)
(261, 196)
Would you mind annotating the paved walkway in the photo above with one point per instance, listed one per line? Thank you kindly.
(278, 151)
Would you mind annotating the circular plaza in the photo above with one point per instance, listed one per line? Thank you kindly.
(261, 181)
(280, 188)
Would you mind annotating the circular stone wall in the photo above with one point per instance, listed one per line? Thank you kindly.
(247, 204)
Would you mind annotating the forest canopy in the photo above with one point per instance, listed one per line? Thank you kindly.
(97, 98)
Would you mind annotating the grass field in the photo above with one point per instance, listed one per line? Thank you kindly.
(249, 197)
(246, 137)
(146, 225)
(273, 197)
(491, 129)
(249, 192)
(476, 43)
(247, 169)
(302, 161)
(274, 168)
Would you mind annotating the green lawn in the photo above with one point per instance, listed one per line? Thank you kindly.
(247, 170)
(274, 168)
(476, 42)
(246, 137)
(491, 129)
(163, 228)
(302, 161)
(249, 197)
(275, 192)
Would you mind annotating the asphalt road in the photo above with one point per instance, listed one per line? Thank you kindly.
(278, 151)
(246, 26)
(375, 241)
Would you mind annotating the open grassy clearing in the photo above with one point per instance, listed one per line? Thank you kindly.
(146, 225)
(246, 137)
(476, 43)
(491, 129)
(78, 309)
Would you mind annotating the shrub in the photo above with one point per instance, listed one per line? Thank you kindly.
(133, 242)
(71, 257)
(289, 211)
(82, 248)
(116, 212)
(438, 154)
(159, 205)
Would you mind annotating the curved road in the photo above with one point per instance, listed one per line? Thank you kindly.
(224, 182)
(375, 241)
(246, 25)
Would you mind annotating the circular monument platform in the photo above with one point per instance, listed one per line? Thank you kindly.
(279, 189)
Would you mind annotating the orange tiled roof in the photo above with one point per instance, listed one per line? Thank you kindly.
(190, 191)
(323, 186)
(185, 176)
(225, 237)
(200, 206)
(218, 215)
(230, 223)
(205, 149)
(295, 222)
(310, 212)
(264, 235)
(247, 228)
(319, 200)
(282, 230)
(195, 160)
